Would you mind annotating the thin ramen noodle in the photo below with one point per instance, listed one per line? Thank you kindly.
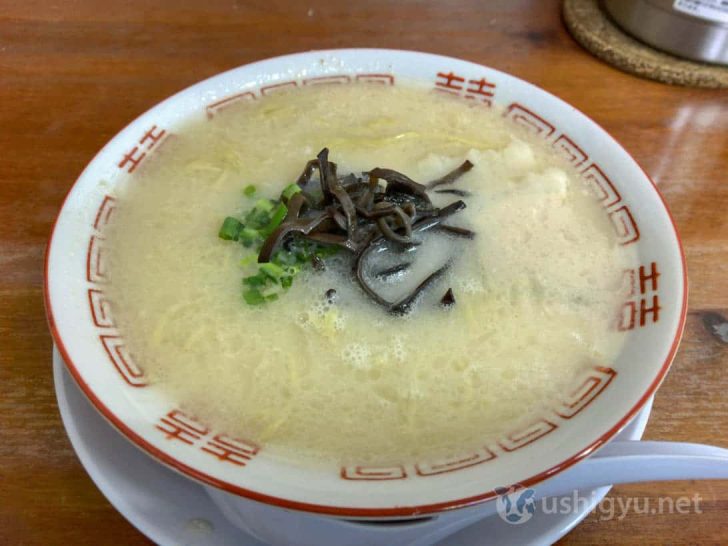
(313, 379)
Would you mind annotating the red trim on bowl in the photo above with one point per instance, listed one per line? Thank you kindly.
(342, 511)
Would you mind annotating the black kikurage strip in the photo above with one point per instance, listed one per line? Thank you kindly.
(359, 215)
(452, 176)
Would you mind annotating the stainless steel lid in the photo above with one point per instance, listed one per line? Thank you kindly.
(695, 29)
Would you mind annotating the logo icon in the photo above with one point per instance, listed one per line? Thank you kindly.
(515, 504)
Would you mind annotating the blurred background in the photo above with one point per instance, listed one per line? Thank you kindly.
(73, 73)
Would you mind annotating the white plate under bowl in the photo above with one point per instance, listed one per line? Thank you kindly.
(174, 511)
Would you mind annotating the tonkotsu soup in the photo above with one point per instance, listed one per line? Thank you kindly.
(312, 366)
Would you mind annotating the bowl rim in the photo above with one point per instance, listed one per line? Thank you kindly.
(335, 510)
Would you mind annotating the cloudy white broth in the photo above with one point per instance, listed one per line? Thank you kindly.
(325, 372)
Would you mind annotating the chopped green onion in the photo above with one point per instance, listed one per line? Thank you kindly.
(258, 217)
(255, 281)
(230, 229)
(253, 297)
(276, 218)
(272, 271)
(283, 257)
(265, 205)
(259, 222)
(249, 236)
(302, 250)
(289, 191)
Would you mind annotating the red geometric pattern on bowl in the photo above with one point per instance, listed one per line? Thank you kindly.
(603, 188)
(591, 387)
(216, 107)
(152, 138)
(96, 271)
(458, 463)
(620, 216)
(106, 210)
(178, 426)
(373, 473)
(400, 472)
(122, 360)
(624, 225)
(567, 148)
(100, 309)
(533, 123)
(643, 299)
(527, 435)
(333, 79)
(326, 80)
(471, 89)
(100, 306)
(587, 392)
(277, 87)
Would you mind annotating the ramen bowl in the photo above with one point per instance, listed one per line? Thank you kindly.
(81, 315)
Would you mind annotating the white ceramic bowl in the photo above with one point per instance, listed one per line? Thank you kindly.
(653, 316)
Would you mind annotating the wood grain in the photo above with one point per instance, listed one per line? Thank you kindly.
(72, 74)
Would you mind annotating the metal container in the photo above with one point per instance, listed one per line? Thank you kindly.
(695, 29)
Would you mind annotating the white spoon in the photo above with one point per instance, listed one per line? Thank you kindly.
(620, 461)
(625, 461)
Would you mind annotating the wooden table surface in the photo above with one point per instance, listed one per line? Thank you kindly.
(74, 73)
